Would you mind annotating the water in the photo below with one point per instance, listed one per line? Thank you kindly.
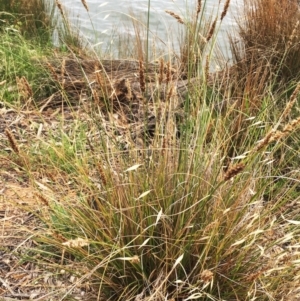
(109, 21)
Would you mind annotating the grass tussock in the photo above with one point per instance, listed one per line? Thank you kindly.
(268, 49)
(160, 180)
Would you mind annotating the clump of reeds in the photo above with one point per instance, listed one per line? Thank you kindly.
(198, 32)
(269, 33)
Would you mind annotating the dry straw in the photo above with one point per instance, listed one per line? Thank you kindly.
(291, 126)
(177, 17)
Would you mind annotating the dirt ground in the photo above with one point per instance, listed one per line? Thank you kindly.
(22, 275)
(22, 278)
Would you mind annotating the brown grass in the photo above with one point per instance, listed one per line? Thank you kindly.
(176, 16)
(12, 141)
(225, 10)
(270, 41)
(211, 30)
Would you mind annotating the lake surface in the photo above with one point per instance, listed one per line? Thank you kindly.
(109, 22)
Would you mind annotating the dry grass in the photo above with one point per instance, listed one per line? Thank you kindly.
(154, 194)
(176, 16)
(270, 40)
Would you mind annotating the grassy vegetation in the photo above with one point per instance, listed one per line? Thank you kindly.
(202, 203)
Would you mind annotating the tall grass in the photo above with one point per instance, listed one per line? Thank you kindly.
(21, 68)
(40, 20)
(34, 18)
(268, 50)
(204, 205)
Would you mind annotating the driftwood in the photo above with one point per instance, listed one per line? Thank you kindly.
(118, 80)
(126, 88)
